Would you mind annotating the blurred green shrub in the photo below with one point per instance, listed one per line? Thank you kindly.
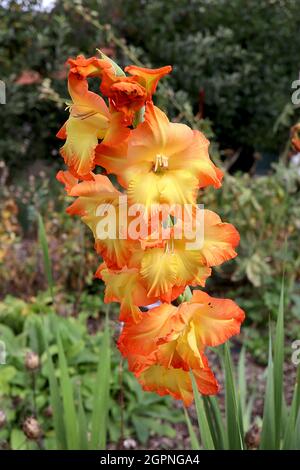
(243, 54)
(233, 62)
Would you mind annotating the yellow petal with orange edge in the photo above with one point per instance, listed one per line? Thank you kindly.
(125, 286)
(89, 120)
(91, 194)
(116, 252)
(82, 139)
(85, 102)
(190, 267)
(177, 382)
(214, 320)
(142, 338)
(194, 157)
(220, 240)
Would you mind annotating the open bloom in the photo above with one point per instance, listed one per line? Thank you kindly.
(89, 121)
(97, 204)
(127, 287)
(165, 264)
(175, 338)
(165, 163)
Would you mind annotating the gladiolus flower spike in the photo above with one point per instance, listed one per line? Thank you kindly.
(158, 164)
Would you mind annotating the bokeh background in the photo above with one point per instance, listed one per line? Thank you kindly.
(233, 68)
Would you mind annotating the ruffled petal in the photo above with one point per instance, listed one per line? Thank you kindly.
(177, 382)
(220, 240)
(125, 286)
(67, 179)
(91, 67)
(215, 320)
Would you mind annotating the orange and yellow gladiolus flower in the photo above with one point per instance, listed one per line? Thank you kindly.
(175, 338)
(165, 163)
(157, 163)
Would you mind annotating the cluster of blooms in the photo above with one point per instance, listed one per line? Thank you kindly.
(155, 162)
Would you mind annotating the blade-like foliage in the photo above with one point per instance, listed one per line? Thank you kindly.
(101, 393)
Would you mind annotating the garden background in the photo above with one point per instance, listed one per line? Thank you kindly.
(233, 68)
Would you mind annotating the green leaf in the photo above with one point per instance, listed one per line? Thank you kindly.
(195, 445)
(242, 389)
(289, 435)
(70, 418)
(278, 366)
(268, 439)
(101, 393)
(44, 246)
(233, 418)
(215, 422)
(55, 400)
(204, 428)
(17, 440)
(82, 425)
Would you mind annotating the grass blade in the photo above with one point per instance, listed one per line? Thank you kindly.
(278, 367)
(242, 386)
(45, 249)
(204, 428)
(55, 401)
(218, 420)
(195, 445)
(296, 445)
(101, 393)
(289, 434)
(82, 425)
(268, 438)
(233, 418)
(70, 418)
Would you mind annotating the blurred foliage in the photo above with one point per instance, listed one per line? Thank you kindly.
(133, 413)
(21, 262)
(242, 54)
(233, 62)
(34, 46)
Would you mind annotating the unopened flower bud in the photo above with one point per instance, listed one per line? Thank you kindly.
(32, 429)
(32, 361)
(48, 412)
(2, 419)
(252, 437)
